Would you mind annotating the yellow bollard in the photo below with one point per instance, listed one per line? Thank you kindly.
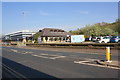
(108, 54)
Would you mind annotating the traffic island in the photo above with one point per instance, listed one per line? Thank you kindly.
(106, 63)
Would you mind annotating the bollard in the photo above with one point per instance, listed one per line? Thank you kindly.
(108, 54)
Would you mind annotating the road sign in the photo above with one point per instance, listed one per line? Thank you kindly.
(39, 40)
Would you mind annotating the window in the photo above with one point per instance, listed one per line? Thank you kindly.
(51, 30)
(55, 30)
(51, 38)
(60, 38)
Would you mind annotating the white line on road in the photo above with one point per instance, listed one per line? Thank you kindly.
(28, 52)
(21, 51)
(58, 57)
(40, 56)
(43, 54)
(13, 50)
(49, 56)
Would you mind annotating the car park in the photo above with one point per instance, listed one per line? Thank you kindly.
(115, 39)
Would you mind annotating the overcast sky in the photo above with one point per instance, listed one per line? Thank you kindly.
(64, 15)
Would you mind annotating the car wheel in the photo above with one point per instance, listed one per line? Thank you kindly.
(102, 42)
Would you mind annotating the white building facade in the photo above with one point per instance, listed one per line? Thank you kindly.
(19, 35)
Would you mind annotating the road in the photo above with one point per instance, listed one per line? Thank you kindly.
(31, 63)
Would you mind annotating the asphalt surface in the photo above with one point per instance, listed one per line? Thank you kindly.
(30, 63)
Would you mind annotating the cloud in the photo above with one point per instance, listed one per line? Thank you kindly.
(43, 13)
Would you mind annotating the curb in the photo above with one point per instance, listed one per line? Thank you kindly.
(101, 62)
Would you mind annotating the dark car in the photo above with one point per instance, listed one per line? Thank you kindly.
(115, 39)
(87, 39)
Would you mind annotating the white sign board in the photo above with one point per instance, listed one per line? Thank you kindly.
(77, 38)
(39, 40)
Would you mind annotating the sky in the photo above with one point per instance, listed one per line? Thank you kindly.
(60, 0)
(34, 16)
(0, 19)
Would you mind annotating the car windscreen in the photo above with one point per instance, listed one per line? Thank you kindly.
(106, 37)
(114, 37)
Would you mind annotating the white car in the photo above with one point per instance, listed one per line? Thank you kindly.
(103, 39)
(94, 39)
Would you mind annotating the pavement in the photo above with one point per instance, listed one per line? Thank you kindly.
(109, 63)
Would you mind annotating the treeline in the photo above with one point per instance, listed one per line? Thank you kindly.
(99, 29)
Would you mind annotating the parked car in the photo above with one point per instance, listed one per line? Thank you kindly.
(115, 39)
(94, 39)
(103, 39)
(87, 39)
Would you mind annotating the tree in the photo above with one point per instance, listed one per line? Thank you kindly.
(99, 29)
(35, 36)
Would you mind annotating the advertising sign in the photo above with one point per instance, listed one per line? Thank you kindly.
(77, 38)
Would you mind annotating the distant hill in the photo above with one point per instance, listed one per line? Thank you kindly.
(99, 29)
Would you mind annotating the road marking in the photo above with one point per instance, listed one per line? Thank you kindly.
(58, 57)
(40, 56)
(49, 56)
(13, 50)
(82, 62)
(25, 52)
(28, 52)
(21, 51)
(43, 54)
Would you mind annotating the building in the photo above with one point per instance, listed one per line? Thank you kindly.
(19, 35)
(52, 35)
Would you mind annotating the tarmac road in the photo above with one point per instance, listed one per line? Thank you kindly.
(31, 63)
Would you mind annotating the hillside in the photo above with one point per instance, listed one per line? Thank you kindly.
(99, 29)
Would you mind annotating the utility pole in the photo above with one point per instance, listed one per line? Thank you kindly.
(24, 38)
(23, 13)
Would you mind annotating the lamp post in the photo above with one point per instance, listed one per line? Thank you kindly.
(23, 13)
